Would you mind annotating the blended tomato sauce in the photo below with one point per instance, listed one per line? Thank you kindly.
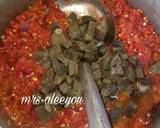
(21, 75)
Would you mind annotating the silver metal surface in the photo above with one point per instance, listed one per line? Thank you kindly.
(96, 112)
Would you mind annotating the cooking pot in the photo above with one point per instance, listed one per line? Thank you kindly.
(10, 8)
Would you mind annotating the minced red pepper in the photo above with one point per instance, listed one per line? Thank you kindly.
(20, 74)
(135, 31)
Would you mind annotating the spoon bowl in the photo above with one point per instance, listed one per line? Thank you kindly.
(94, 9)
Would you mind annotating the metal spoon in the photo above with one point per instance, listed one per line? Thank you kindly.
(97, 115)
(156, 118)
(91, 8)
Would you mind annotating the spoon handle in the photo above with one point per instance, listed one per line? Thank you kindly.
(96, 112)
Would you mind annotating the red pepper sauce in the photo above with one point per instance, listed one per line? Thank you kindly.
(137, 34)
(134, 30)
(20, 75)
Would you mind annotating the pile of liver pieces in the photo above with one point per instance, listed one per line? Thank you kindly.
(83, 41)
(112, 69)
